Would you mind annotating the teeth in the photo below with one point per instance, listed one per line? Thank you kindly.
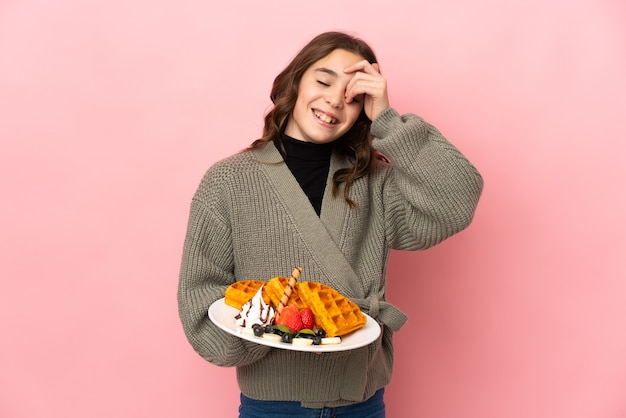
(325, 118)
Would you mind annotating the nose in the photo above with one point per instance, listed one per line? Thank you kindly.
(335, 98)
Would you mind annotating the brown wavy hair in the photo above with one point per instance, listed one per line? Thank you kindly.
(356, 144)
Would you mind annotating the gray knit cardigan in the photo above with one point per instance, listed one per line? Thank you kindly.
(249, 219)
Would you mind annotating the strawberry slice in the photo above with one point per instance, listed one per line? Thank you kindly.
(290, 317)
(308, 321)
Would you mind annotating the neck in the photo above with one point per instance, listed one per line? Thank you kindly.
(302, 150)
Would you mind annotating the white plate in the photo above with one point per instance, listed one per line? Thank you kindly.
(223, 316)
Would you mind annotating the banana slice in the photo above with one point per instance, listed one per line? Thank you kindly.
(247, 330)
(302, 341)
(272, 337)
(331, 340)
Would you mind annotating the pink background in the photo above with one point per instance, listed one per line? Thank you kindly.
(110, 112)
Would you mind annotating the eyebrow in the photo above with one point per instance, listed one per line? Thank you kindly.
(327, 71)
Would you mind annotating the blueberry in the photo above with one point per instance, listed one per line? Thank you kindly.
(258, 331)
(321, 333)
(317, 340)
(287, 338)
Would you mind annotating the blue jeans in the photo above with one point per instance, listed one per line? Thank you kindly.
(374, 407)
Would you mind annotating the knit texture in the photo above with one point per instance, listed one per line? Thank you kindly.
(249, 219)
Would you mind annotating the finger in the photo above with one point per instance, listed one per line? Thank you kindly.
(360, 89)
(362, 65)
(356, 89)
(364, 84)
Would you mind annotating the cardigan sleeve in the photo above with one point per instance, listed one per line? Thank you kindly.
(206, 272)
(432, 191)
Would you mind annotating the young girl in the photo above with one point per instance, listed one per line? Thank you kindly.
(337, 180)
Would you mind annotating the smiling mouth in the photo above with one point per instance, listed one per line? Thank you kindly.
(324, 117)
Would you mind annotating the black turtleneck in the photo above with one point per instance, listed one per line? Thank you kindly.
(309, 163)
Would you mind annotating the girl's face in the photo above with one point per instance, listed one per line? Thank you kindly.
(321, 114)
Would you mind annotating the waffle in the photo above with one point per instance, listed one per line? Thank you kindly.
(239, 293)
(333, 312)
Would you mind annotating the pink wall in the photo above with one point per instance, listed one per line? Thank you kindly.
(111, 111)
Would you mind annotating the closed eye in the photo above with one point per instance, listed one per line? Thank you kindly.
(357, 99)
(323, 84)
